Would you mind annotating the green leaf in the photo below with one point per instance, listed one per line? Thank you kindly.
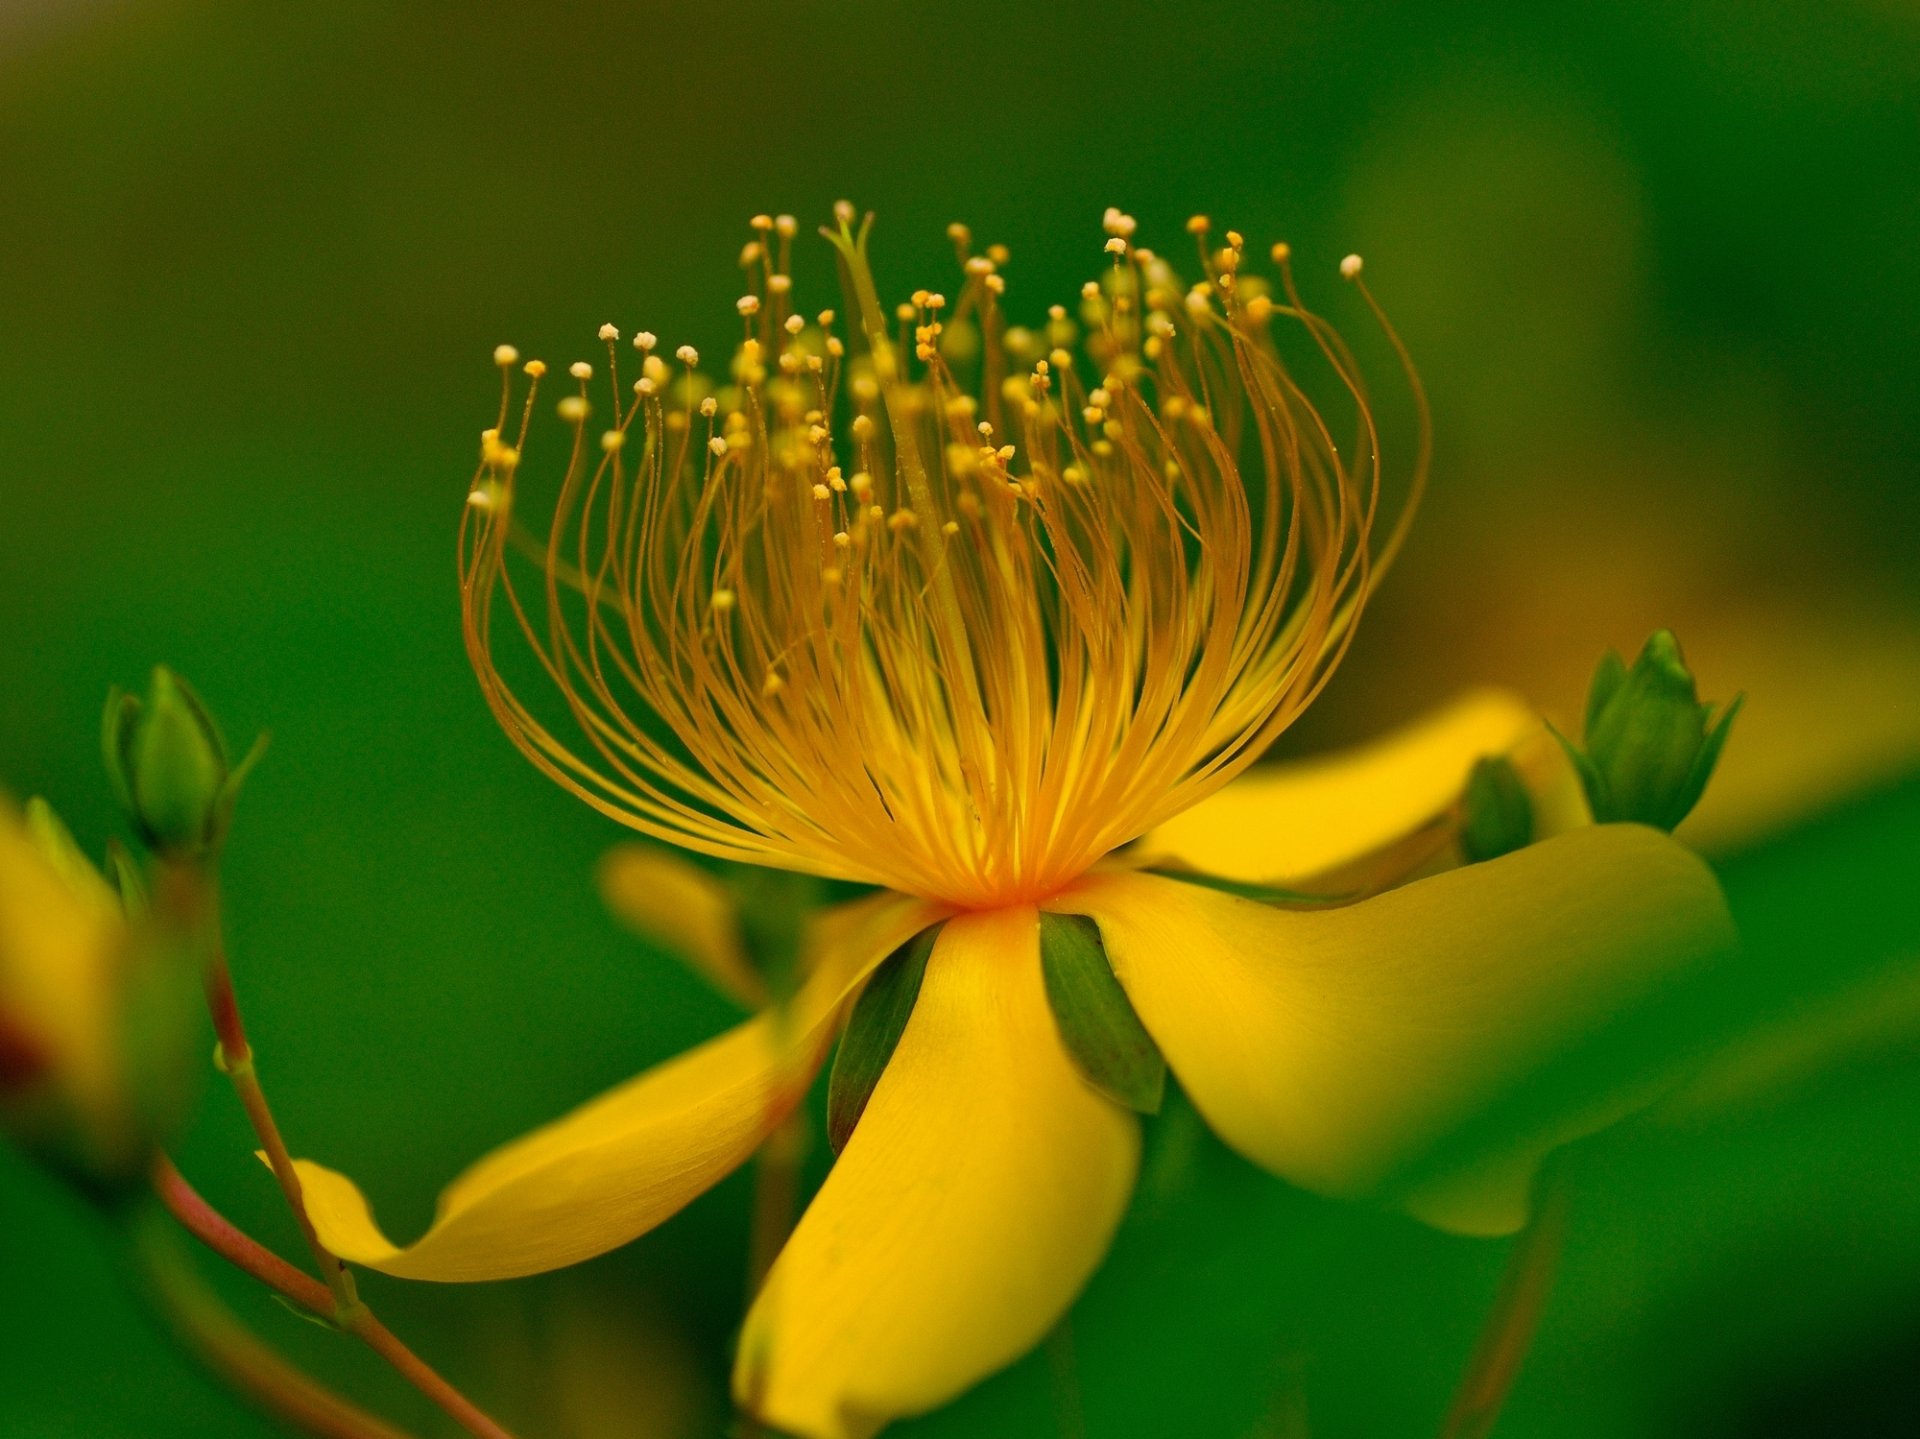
(1096, 1019)
(878, 1020)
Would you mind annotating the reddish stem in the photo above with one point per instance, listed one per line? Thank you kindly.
(220, 1235)
(1514, 1318)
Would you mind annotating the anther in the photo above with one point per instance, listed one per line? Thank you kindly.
(613, 440)
(709, 406)
(687, 355)
(1116, 246)
(1350, 267)
(580, 370)
(535, 369)
(645, 340)
(1198, 225)
(722, 600)
(505, 355)
(609, 333)
(573, 409)
(762, 223)
(717, 445)
(1282, 252)
(795, 324)
(748, 305)
(785, 226)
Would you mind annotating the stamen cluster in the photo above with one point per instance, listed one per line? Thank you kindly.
(950, 605)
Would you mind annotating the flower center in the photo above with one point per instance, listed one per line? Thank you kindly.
(951, 609)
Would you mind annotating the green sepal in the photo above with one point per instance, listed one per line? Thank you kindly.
(1097, 1021)
(1708, 758)
(117, 720)
(123, 873)
(58, 847)
(873, 1030)
(1248, 889)
(1608, 676)
(1496, 814)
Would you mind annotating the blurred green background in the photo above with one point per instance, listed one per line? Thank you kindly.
(1656, 263)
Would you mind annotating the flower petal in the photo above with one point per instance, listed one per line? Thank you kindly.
(622, 1163)
(672, 901)
(1290, 823)
(978, 1193)
(1433, 1042)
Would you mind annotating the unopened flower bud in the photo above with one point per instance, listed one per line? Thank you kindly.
(1650, 745)
(170, 769)
(1496, 814)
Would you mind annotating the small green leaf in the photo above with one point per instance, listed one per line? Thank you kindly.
(1096, 1019)
(874, 1028)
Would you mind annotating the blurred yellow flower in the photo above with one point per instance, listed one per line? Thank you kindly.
(1002, 627)
(87, 1049)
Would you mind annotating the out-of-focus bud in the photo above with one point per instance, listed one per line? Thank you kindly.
(170, 769)
(98, 1017)
(1650, 745)
(1496, 813)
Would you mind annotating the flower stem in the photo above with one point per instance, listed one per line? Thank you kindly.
(162, 1276)
(1514, 1318)
(219, 1234)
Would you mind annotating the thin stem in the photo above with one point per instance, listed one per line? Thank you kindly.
(236, 1058)
(162, 1276)
(1069, 1415)
(776, 1203)
(1514, 1318)
(219, 1234)
(776, 1195)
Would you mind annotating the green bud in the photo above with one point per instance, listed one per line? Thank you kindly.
(169, 767)
(1496, 814)
(1650, 745)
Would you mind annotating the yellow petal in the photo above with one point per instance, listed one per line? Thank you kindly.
(978, 1193)
(683, 908)
(624, 1162)
(1303, 820)
(1433, 1042)
(60, 938)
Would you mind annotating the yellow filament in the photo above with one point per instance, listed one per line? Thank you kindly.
(853, 615)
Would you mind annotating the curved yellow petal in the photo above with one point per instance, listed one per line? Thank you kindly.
(677, 904)
(978, 1193)
(1294, 822)
(1433, 1042)
(61, 936)
(622, 1163)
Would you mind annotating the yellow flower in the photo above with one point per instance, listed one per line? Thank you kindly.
(958, 613)
(92, 1035)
